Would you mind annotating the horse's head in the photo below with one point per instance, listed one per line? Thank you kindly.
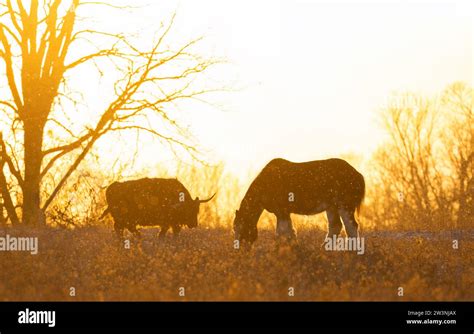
(244, 229)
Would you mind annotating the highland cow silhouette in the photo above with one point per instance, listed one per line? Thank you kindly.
(152, 202)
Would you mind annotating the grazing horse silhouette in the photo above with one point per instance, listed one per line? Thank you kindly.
(284, 187)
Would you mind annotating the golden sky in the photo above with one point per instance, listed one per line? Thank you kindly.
(310, 76)
(316, 72)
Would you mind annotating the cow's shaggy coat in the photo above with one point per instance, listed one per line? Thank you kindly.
(152, 202)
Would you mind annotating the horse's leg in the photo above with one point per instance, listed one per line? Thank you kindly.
(163, 231)
(350, 223)
(176, 230)
(334, 223)
(285, 226)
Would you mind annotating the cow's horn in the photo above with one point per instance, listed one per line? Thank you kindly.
(205, 200)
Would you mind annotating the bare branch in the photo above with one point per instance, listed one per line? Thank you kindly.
(7, 58)
(6, 159)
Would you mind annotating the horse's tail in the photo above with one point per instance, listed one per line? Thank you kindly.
(361, 194)
(105, 213)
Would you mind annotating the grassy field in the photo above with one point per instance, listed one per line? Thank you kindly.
(203, 262)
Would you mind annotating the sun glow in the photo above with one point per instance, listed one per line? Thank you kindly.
(306, 78)
(310, 76)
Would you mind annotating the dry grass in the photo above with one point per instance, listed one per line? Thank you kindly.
(96, 264)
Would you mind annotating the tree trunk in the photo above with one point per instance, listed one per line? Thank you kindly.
(3, 221)
(33, 140)
(6, 199)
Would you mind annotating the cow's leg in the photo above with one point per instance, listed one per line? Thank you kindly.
(163, 231)
(119, 224)
(350, 223)
(334, 223)
(118, 230)
(176, 230)
(284, 227)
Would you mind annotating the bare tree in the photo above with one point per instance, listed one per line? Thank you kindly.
(424, 171)
(407, 160)
(35, 46)
(458, 139)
